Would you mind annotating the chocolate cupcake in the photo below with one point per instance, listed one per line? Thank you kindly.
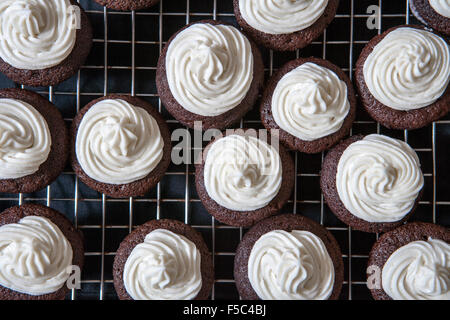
(372, 183)
(244, 177)
(402, 77)
(311, 103)
(126, 5)
(288, 257)
(434, 13)
(39, 249)
(284, 26)
(55, 38)
(411, 263)
(120, 146)
(163, 260)
(34, 141)
(210, 73)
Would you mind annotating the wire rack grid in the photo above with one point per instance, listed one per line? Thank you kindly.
(123, 60)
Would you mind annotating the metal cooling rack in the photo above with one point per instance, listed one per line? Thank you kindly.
(123, 60)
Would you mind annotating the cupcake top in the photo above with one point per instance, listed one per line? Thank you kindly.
(441, 6)
(281, 17)
(418, 270)
(163, 260)
(117, 142)
(25, 140)
(242, 172)
(288, 257)
(35, 256)
(166, 266)
(291, 266)
(408, 69)
(379, 179)
(36, 34)
(411, 262)
(310, 102)
(209, 68)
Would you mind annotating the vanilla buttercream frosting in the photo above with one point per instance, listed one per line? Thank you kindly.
(25, 140)
(379, 179)
(310, 102)
(36, 34)
(242, 172)
(441, 6)
(281, 16)
(209, 68)
(409, 69)
(118, 143)
(166, 266)
(35, 256)
(291, 266)
(419, 270)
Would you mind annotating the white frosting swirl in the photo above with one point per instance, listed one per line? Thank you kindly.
(281, 16)
(25, 140)
(35, 256)
(441, 6)
(118, 143)
(242, 173)
(379, 178)
(419, 270)
(409, 69)
(310, 102)
(209, 68)
(291, 266)
(166, 266)
(36, 34)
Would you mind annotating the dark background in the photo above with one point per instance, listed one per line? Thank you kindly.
(123, 60)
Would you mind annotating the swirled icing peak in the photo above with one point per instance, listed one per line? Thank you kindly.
(118, 143)
(419, 270)
(379, 179)
(291, 266)
(242, 173)
(409, 69)
(209, 68)
(441, 6)
(35, 256)
(25, 140)
(310, 102)
(281, 16)
(166, 266)
(36, 34)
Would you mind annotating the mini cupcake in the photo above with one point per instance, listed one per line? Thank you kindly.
(209, 72)
(163, 260)
(284, 25)
(39, 249)
(288, 257)
(402, 77)
(126, 5)
(311, 103)
(411, 263)
(434, 13)
(244, 177)
(34, 141)
(43, 42)
(120, 146)
(372, 183)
